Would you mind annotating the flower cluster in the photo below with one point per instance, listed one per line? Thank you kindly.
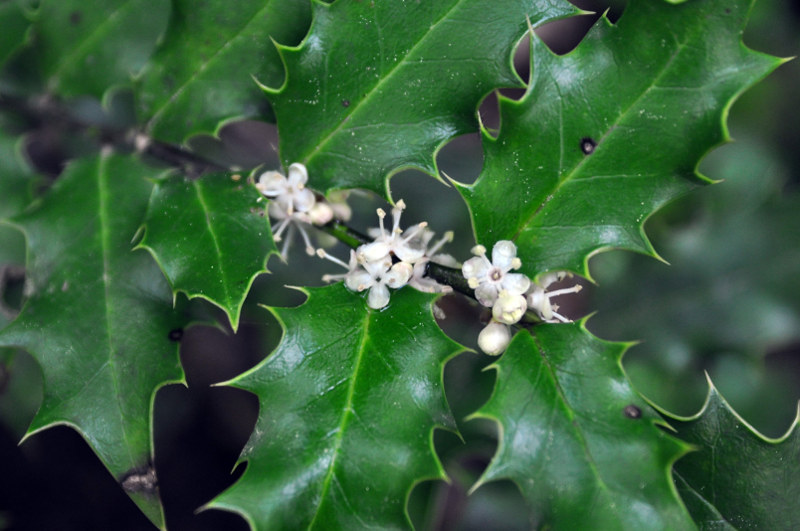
(508, 294)
(392, 259)
(396, 257)
(293, 204)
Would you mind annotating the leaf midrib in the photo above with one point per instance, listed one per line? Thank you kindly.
(221, 264)
(80, 50)
(106, 246)
(177, 93)
(363, 102)
(570, 176)
(347, 414)
(577, 428)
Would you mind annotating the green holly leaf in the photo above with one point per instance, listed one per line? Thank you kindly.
(610, 132)
(100, 320)
(210, 237)
(202, 74)
(348, 401)
(15, 24)
(583, 447)
(729, 296)
(88, 46)
(750, 481)
(380, 86)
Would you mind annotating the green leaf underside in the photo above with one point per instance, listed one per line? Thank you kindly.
(14, 24)
(348, 401)
(210, 236)
(99, 319)
(751, 481)
(379, 86)
(202, 74)
(566, 441)
(88, 46)
(652, 92)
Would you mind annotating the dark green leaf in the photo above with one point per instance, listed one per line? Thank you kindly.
(379, 86)
(729, 296)
(16, 179)
(210, 237)
(610, 132)
(99, 318)
(751, 481)
(202, 74)
(88, 46)
(583, 447)
(348, 401)
(14, 24)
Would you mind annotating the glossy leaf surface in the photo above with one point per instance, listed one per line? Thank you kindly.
(608, 133)
(348, 401)
(88, 46)
(379, 86)
(99, 318)
(752, 482)
(14, 24)
(210, 236)
(203, 73)
(580, 443)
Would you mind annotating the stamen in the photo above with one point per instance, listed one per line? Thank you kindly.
(447, 238)
(414, 232)
(479, 250)
(381, 215)
(574, 289)
(322, 254)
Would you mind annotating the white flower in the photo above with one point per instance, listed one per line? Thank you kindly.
(289, 193)
(418, 279)
(376, 276)
(494, 339)
(488, 279)
(539, 297)
(404, 246)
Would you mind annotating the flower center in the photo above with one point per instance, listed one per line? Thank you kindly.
(495, 274)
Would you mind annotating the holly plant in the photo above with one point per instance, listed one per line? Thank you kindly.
(172, 167)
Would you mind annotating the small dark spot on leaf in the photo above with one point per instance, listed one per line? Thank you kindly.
(727, 11)
(632, 411)
(345, 103)
(588, 145)
(175, 334)
(140, 480)
(75, 18)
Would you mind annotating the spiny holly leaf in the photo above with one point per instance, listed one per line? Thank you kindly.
(100, 318)
(751, 481)
(88, 46)
(607, 134)
(202, 74)
(583, 447)
(210, 237)
(348, 401)
(379, 86)
(14, 24)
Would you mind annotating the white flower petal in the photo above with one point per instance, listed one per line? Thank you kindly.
(303, 200)
(486, 294)
(298, 175)
(359, 280)
(378, 297)
(475, 267)
(272, 183)
(398, 275)
(515, 283)
(503, 254)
